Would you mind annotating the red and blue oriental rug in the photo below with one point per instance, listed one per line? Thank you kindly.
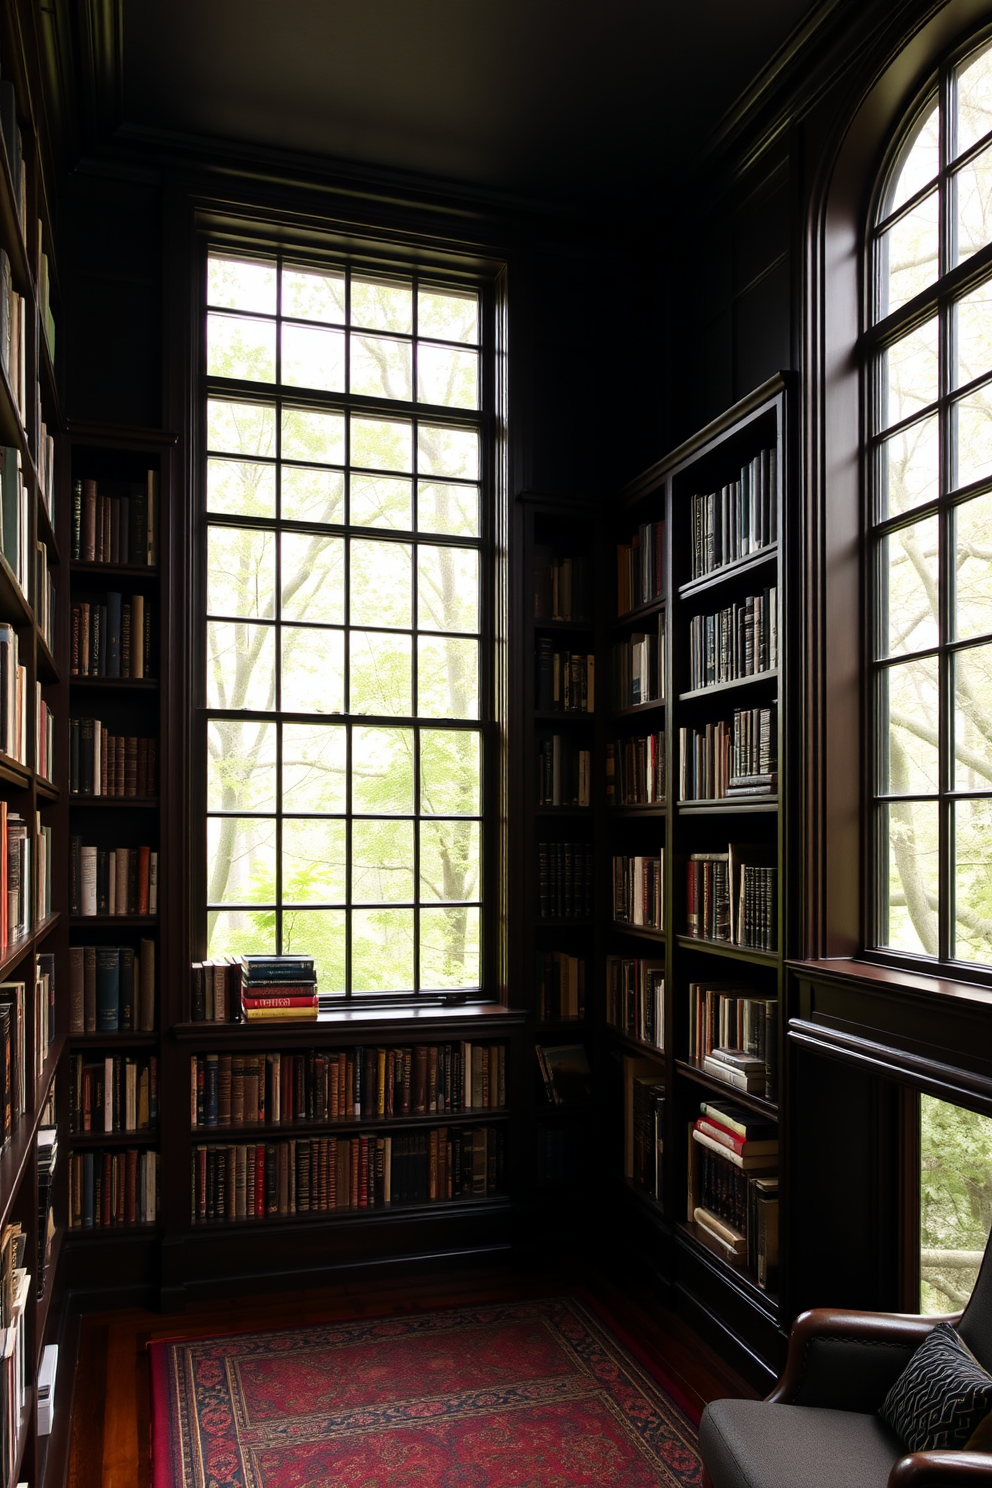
(515, 1395)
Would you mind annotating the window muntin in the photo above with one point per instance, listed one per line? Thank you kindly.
(345, 629)
(929, 477)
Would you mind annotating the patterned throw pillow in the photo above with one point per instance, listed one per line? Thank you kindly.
(941, 1395)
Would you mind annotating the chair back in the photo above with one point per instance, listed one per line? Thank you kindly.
(975, 1326)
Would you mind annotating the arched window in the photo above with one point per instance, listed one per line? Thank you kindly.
(928, 410)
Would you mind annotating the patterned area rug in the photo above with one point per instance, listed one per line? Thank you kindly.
(516, 1395)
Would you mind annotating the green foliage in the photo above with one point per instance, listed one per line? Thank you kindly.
(955, 1197)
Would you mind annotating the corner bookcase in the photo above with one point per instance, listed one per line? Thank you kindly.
(702, 814)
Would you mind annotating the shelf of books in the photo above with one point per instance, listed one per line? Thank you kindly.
(694, 965)
(115, 617)
(560, 800)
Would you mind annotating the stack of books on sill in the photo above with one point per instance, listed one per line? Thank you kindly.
(738, 1068)
(278, 989)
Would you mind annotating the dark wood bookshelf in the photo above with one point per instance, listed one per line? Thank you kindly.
(728, 805)
(729, 948)
(757, 680)
(765, 557)
(727, 1092)
(480, 1116)
(147, 1137)
(643, 612)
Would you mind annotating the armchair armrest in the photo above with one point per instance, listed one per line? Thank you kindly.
(845, 1360)
(943, 1469)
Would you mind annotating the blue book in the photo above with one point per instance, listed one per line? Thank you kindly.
(113, 635)
(108, 989)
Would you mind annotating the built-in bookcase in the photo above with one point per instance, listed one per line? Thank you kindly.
(697, 917)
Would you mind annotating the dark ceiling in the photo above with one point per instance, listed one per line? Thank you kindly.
(559, 100)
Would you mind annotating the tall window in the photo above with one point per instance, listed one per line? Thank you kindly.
(929, 410)
(346, 630)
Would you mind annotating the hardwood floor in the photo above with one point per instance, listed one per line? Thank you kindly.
(111, 1407)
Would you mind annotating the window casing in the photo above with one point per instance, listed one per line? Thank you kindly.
(928, 360)
(347, 621)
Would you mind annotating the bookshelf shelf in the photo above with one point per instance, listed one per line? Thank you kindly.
(644, 932)
(728, 948)
(102, 571)
(728, 805)
(743, 568)
(13, 772)
(87, 1139)
(14, 608)
(356, 1124)
(115, 684)
(635, 813)
(113, 803)
(642, 612)
(287, 1223)
(79, 922)
(657, 705)
(638, 1045)
(47, 669)
(734, 1276)
(715, 689)
(571, 715)
(725, 1091)
(116, 1040)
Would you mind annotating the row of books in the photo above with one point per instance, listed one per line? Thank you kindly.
(729, 758)
(561, 586)
(112, 880)
(15, 507)
(638, 890)
(639, 668)
(113, 1189)
(10, 131)
(44, 595)
(278, 1087)
(113, 1092)
(15, 1082)
(44, 1011)
(317, 1175)
(732, 896)
(44, 737)
(18, 887)
(735, 1018)
(14, 336)
(753, 751)
(738, 519)
(566, 1074)
(561, 986)
(635, 771)
(644, 1126)
(563, 773)
(733, 1188)
(47, 1145)
(115, 521)
(112, 988)
(112, 639)
(13, 697)
(741, 640)
(564, 681)
(635, 998)
(106, 764)
(641, 567)
(566, 875)
(15, 1288)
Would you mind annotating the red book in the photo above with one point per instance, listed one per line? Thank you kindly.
(143, 880)
(743, 1146)
(288, 1000)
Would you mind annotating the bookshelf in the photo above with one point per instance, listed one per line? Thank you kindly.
(696, 772)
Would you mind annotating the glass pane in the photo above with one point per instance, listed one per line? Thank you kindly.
(446, 376)
(382, 444)
(955, 1202)
(447, 588)
(910, 703)
(382, 950)
(237, 347)
(381, 367)
(381, 501)
(316, 437)
(241, 671)
(241, 572)
(447, 678)
(241, 488)
(312, 670)
(312, 495)
(909, 374)
(449, 860)
(450, 772)
(972, 437)
(313, 358)
(322, 934)
(241, 765)
(973, 568)
(909, 578)
(314, 767)
(919, 162)
(909, 472)
(241, 428)
(381, 861)
(448, 316)
(312, 578)
(314, 862)
(913, 879)
(381, 583)
(382, 771)
(240, 284)
(446, 508)
(449, 948)
(380, 674)
(908, 255)
(974, 98)
(310, 294)
(973, 335)
(973, 184)
(241, 860)
(382, 304)
(453, 452)
(973, 719)
(241, 932)
(973, 880)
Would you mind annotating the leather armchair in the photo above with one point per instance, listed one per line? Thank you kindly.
(819, 1424)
